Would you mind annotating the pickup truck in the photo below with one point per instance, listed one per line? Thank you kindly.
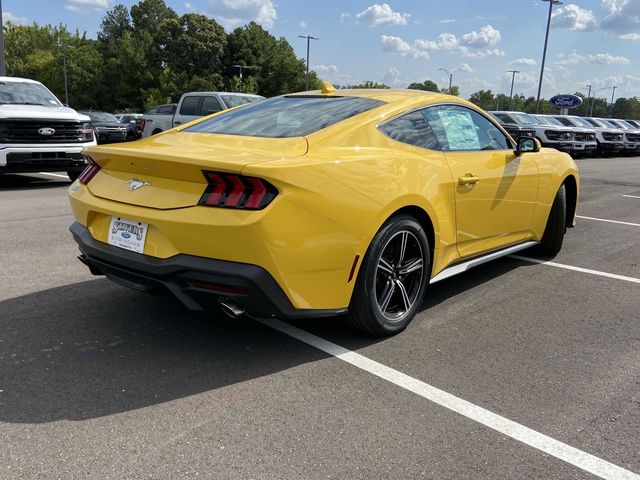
(191, 106)
(37, 132)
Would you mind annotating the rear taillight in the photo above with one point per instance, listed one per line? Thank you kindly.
(89, 172)
(237, 191)
(142, 122)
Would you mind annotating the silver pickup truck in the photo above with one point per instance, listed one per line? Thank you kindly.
(191, 106)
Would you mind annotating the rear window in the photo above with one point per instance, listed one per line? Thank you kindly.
(282, 117)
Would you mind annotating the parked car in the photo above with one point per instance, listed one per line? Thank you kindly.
(584, 139)
(631, 135)
(321, 203)
(38, 133)
(552, 136)
(610, 139)
(134, 124)
(192, 106)
(107, 127)
(516, 130)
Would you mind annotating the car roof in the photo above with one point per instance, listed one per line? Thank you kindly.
(18, 80)
(235, 94)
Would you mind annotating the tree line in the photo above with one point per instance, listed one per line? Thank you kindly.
(147, 55)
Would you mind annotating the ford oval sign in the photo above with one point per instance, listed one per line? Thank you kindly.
(46, 131)
(565, 101)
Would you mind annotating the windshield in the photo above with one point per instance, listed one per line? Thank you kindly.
(555, 121)
(18, 93)
(565, 121)
(236, 100)
(523, 118)
(607, 123)
(283, 117)
(618, 124)
(540, 120)
(102, 117)
(582, 122)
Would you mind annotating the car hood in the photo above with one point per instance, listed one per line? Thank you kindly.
(40, 112)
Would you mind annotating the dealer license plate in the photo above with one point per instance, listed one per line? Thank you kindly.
(127, 234)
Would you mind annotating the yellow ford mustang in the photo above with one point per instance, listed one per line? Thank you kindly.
(321, 203)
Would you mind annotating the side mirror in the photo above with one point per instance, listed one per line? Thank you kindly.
(527, 144)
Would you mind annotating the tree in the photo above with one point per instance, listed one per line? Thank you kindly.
(427, 85)
(455, 90)
(484, 99)
(369, 84)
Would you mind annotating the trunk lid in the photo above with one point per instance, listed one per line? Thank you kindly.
(165, 171)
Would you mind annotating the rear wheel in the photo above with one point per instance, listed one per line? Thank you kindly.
(553, 236)
(392, 279)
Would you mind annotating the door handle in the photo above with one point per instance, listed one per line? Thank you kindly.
(468, 179)
(177, 123)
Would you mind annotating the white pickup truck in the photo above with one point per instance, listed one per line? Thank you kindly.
(37, 132)
(191, 106)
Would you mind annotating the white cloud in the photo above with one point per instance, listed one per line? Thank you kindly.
(377, 15)
(623, 17)
(302, 24)
(486, 37)
(232, 13)
(525, 61)
(332, 73)
(465, 67)
(10, 17)
(188, 6)
(87, 5)
(397, 45)
(344, 16)
(631, 36)
(594, 59)
(574, 17)
(392, 77)
(468, 45)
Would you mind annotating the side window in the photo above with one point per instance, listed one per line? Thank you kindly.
(210, 105)
(412, 129)
(152, 111)
(503, 118)
(190, 106)
(461, 128)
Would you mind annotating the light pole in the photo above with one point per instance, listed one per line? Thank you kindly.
(3, 68)
(63, 48)
(544, 52)
(588, 94)
(513, 78)
(309, 38)
(612, 95)
(450, 78)
(594, 98)
(242, 67)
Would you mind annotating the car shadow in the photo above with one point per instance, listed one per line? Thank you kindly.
(94, 348)
(10, 181)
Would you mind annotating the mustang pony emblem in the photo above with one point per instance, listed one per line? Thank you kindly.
(135, 184)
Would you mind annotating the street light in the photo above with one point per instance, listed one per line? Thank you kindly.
(309, 38)
(612, 95)
(3, 68)
(242, 67)
(544, 52)
(513, 78)
(450, 73)
(63, 48)
(594, 98)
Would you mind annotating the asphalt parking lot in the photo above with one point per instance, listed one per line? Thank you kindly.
(98, 381)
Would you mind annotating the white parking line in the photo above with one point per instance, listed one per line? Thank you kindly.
(54, 175)
(577, 269)
(631, 196)
(608, 221)
(560, 450)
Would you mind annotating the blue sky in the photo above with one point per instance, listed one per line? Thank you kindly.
(592, 41)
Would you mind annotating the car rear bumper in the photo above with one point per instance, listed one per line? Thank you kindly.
(198, 282)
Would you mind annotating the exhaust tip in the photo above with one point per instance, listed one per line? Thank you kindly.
(231, 309)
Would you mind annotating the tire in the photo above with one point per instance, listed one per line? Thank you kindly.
(551, 242)
(392, 281)
(73, 174)
(156, 131)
